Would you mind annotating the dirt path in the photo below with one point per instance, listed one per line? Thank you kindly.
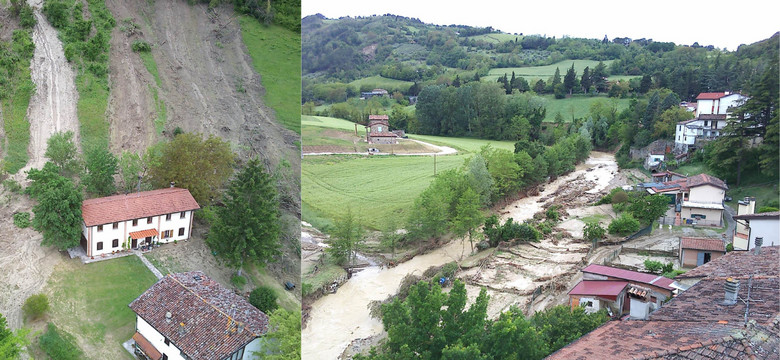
(25, 264)
(53, 106)
(441, 150)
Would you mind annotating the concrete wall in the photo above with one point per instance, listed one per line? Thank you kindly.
(157, 340)
(766, 228)
(382, 140)
(707, 194)
(689, 257)
(711, 215)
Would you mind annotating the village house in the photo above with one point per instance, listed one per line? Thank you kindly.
(376, 92)
(594, 295)
(699, 251)
(665, 176)
(378, 130)
(698, 199)
(732, 312)
(190, 316)
(132, 220)
(763, 226)
(712, 114)
(660, 288)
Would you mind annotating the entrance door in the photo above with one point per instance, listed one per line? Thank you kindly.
(134, 244)
(148, 240)
(699, 259)
(707, 257)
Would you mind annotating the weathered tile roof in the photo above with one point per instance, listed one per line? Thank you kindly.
(705, 179)
(146, 346)
(739, 264)
(116, 208)
(378, 117)
(710, 95)
(766, 215)
(217, 322)
(629, 275)
(143, 233)
(712, 244)
(712, 116)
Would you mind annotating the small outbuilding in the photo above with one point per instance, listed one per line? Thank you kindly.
(594, 295)
(699, 251)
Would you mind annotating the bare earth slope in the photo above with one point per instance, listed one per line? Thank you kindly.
(207, 81)
(53, 106)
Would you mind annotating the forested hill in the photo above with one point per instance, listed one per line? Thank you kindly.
(401, 48)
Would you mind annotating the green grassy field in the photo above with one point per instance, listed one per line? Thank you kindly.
(465, 144)
(276, 55)
(377, 81)
(16, 125)
(90, 301)
(579, 105)
(91, 110)
(543, 72)
(496, 38)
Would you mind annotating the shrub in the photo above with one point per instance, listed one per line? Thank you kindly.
(141, 46)
(619, 197)
(593, 231)
(22, 219)
(263, 298)
(729, 247)
(653, 266)
(306, 288)
(552, 213)
(12, 185)
(238, 281)
(624, 225)
(35, 306)
(59, 345)
(449, 269)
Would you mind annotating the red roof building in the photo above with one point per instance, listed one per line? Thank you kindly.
(699, 251)
(711, 95)
(630, 276)
(189, 315)
(116, 223)
(595, 295)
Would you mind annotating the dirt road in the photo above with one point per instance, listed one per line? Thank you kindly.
(53, 106)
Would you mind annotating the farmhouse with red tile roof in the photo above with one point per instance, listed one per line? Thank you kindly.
(162, 215)
(712, 112)
(190, 316)
(699, 251)
(378, 130)
(700, 197)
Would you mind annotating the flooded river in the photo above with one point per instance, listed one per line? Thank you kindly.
(338, 319)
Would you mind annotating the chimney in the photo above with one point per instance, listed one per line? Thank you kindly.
(168, 317)
(732, 289)
(759, 241)
(181, 329)
(173, 183)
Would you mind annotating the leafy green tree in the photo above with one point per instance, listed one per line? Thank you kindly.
(390, 238)
(599, 77)
(35, 306)
(647, 83)
(283, 341)
(246, 227)
(512, 336)
(585, 81)
(648, 208)
(101, 166)
(479, 179)
(428, 217)
(593, 231)
(503, 169)
(561, 325)
(131, 166)
(346, 238)
(201, 166)
(625, 224)
(459, 352)
(664, 128)
(264, 299)
(61, 150)
(11, 343)
(58, 211)
(469, 216)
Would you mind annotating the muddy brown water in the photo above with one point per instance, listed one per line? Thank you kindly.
(339, 318)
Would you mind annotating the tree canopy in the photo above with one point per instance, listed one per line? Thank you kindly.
(58, 211)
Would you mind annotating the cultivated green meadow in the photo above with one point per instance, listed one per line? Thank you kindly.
(578, 106)
(543, 72)
(373, 187)
(496, 38)
(379, 82)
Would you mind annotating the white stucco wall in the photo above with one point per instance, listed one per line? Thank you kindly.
(126, 227)
(705, 107)
(157, 340)
(251, 349)
(706, 194)
(769, 229)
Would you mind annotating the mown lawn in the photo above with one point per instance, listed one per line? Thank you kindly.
(373, 188)
(90, 301)
(276, 56)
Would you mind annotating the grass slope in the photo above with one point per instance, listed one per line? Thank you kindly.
(276, 56)
(90, 301)
(579, 105)
(15, 123)
(543, 72)
(380, 82)
(496, 38)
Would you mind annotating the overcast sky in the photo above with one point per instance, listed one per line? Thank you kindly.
(724, 24)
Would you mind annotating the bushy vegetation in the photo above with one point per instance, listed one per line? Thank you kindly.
(238, 281)
(509, 231)
(11, 342)
(593, 231)
(35, 306)
(625, 224)
(59, 345)
(22, 219)
(430, 324)
(283, 341)
(141, 46)
(16, 88)
(263, 298)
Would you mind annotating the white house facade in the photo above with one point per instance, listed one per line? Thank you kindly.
(762, 225)
(120, 222)
(712, 112)
(188, 316)
(717, 102)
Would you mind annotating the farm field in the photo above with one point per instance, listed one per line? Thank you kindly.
(496, 38)
(380, 82)
(543, 72)
(579, 105)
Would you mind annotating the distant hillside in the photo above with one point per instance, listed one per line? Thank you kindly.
(395, 47)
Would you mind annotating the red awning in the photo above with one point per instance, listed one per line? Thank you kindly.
(143, 234)
(146, 346)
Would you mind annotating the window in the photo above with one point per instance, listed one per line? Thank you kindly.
(181, 231)
(149, 220)
(168, 217)
(238, 355)
(115, 243)
(100, 245)
(116, 225)
(100, 227)
(167, 234)
(183, 215)
(135, 222)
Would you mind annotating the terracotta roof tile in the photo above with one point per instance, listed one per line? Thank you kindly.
(378, 117)
(599, 287)
(710, 95)
(739, 264)
(217, 322)
(116, 208)
(143, 233)
(629, 275)
(712, 244)
(146, 346)
(705, 179)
